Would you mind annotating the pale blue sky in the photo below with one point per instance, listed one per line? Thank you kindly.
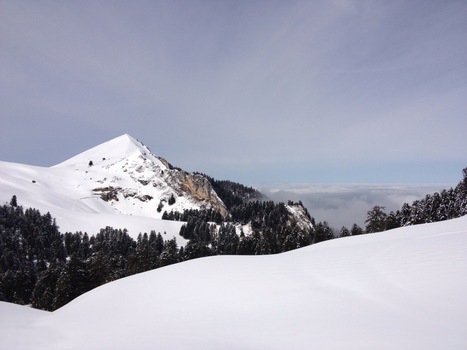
(252, 91)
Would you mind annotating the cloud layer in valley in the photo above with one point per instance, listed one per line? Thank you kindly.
(344, 205)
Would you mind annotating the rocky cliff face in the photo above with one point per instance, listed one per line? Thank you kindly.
(198, 187)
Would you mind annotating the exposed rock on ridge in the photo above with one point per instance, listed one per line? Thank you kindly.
(199, 188)
(126, 170)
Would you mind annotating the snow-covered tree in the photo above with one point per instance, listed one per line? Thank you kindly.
(376, 220)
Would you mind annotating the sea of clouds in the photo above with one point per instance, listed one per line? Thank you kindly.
(346, 204)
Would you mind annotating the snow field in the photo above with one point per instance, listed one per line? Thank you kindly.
(400, 289)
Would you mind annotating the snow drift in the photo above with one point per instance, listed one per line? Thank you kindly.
(401, 289)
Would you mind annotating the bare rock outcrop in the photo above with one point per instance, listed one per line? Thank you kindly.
(197, 187)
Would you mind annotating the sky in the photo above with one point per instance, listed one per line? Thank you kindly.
(269, 92)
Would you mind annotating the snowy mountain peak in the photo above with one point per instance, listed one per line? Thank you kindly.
(124, 146)
(120, 176)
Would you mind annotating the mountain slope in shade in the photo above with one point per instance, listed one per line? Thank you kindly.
(119, 183)
(400, 289)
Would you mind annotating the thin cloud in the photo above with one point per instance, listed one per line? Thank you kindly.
(256, 87)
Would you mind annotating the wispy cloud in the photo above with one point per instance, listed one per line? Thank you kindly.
(260, 85)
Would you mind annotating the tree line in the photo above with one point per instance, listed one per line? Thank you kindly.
(448, 204)
(44, 268)
(271, 228)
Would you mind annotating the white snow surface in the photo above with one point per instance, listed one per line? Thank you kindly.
(68, 190)
(401, 289)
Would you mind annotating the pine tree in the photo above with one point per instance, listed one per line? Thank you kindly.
(344, 232)
(393, 220)
(322, 232)
(8, 286)
(99, 270)
(290, 243)
(73, 282)
(44, 290)
(194, 250)
(356, 230)
(171, 200)
(376, 220)
(25, 281)
(170, 253)
(13, 201)
(246, 246)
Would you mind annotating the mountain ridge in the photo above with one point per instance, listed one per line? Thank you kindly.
(120, 183)
(120, 177)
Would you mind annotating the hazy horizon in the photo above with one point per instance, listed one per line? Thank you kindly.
(346, 204)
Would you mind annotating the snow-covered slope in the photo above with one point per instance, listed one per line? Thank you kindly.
(400, 289)
(119, 183)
